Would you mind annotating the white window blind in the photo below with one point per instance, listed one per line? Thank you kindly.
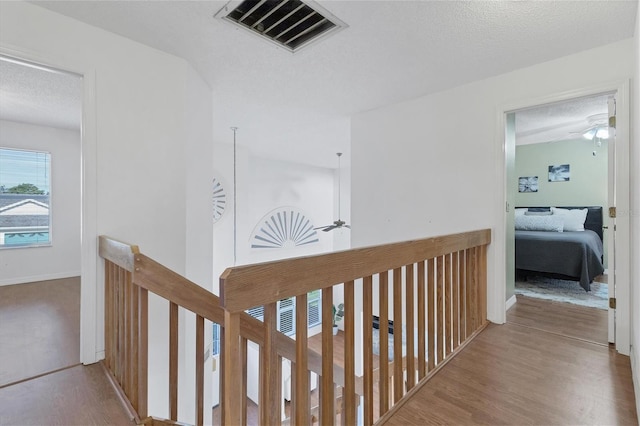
(25, 195)
(287, 312)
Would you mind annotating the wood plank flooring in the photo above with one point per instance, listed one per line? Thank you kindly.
(541, 368)
(566, 319)
(39, 328)
(80, 395)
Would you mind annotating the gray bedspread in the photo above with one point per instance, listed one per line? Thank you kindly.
(575, 254)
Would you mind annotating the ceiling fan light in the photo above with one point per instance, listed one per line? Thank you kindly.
(590, 134)
(602, 133)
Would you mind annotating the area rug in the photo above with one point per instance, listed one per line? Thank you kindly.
(564, 291)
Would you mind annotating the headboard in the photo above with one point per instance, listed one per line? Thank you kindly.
(593, 222)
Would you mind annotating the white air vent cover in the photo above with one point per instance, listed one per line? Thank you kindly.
(292, 24)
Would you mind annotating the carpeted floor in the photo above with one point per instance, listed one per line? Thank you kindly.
(564, 291)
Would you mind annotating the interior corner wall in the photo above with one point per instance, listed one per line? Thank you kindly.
(435, 163)
(198, 141)
(62, 258)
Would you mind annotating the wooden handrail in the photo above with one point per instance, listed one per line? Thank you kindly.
(435, 286)
(151, 276)
(442, 279)
(117, 252)
(293, 277)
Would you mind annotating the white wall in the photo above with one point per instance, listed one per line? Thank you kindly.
(635, 215)
(198, 140)
(62, 258)
(264, 185)
(136, 127)
(434, 165)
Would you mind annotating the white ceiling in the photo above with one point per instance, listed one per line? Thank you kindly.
(35, 95)
(561, 120)
(297, 106)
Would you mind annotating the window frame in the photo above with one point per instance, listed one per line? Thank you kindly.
(49, 226)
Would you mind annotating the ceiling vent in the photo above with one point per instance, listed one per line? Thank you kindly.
(291, 24)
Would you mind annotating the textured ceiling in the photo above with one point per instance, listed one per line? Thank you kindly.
(38, 96)
(560, 121)
(297, 106)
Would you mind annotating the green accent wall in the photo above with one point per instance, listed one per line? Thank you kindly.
(588, 181)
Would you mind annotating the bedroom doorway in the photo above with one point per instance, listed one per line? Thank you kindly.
(558, 154)
(90, 346)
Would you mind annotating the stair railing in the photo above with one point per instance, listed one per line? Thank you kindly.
(129, 277)
(435, 289)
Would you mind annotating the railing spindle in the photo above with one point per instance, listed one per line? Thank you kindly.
(447, 305)
(143, 351)
(173, 361)
(422, 370)
(120, 315)
(464, 306)
(367, 301)
(383, 332)
(440, 310)
(270, 396)
(232, 370)
(431, 322)
(108, 314)
(398, 373)
(327, 387)
(349, 395)
(455, 283)
(482, 284)
(199, 370)
(411, 365)
(302, 414)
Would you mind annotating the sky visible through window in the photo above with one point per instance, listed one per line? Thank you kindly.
(18, 167)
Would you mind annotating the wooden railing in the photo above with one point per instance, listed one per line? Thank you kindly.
(129, 277)
(436, 289)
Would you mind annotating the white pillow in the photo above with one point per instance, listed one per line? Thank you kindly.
(539, 223)
(573, 218)
(520, 212)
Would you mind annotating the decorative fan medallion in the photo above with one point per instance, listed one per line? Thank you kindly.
(219, 199)
(283, 228)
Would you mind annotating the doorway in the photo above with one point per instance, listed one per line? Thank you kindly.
(40, 217)
(618, 150)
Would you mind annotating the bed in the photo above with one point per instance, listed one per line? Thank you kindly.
(573, 255)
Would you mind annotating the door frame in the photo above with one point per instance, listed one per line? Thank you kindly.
(622, 243)
(90, 312)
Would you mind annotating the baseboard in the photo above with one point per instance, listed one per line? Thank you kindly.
(510, 302)
(636, 381)
(35, 278)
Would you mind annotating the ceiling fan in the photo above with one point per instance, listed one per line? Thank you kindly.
(597, 127)
(336, 223)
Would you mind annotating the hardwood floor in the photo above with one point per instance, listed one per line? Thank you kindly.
(512, 374)
(566, 319)
(41, 379)
(80, 395)
(550, 364)
(39, 328)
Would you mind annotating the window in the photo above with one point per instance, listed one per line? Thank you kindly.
(25, 185)
(287, 313)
